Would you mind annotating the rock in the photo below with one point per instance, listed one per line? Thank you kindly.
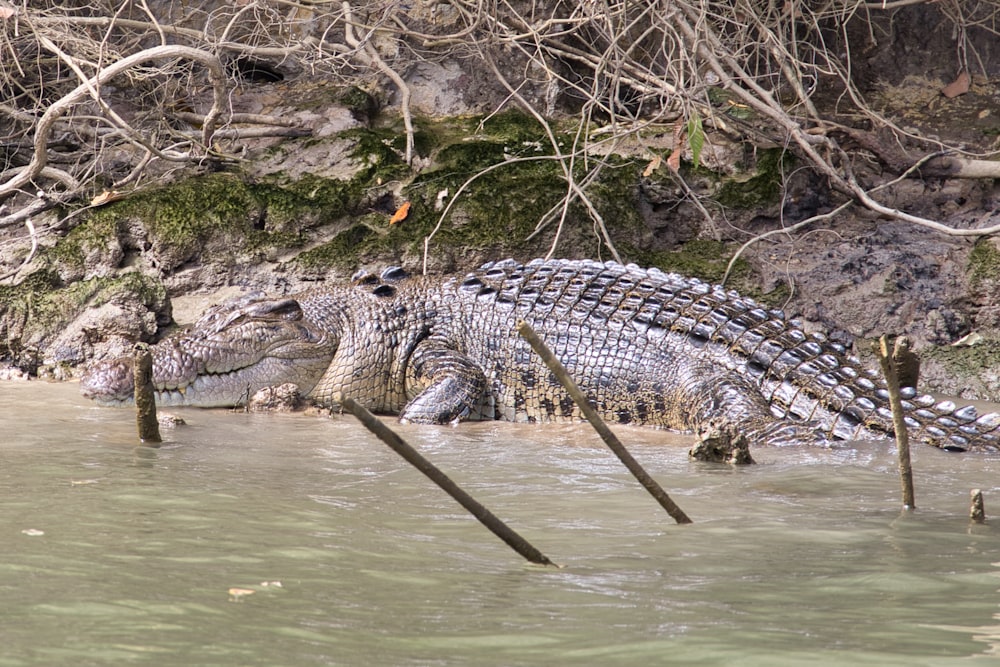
(721, 443)
(282, 398)
(168, 420)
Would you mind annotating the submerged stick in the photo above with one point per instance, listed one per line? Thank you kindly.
(898, 424)
(145, 401)
(487, 518)
(612, 441)
(977, 511)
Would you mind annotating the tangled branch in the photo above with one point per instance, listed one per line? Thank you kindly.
(108, 91)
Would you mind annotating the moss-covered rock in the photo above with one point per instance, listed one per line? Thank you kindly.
(970, 371)
(700, 258)
(219, 218)
(984, 264)
(760, 185)
(44, 321)
(488, 185)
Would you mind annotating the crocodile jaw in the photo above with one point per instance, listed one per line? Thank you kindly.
(232, 352)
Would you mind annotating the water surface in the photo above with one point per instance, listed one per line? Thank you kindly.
(297, 540)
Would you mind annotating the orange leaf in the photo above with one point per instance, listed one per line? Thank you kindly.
(653, 165)
(105, 197)
(959, 86)
(400, 213)
(674, 159)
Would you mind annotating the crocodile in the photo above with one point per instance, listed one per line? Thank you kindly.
(647, 347)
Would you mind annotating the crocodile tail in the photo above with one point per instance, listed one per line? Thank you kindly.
(806, 374)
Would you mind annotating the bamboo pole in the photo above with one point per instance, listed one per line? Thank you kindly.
(898, 424)
(485, 517)
(145, 401)
(612, 441)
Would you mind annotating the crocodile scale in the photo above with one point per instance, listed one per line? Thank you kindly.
(647, 347)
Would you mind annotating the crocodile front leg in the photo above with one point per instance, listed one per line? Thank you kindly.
(730, 403)
(449, 386)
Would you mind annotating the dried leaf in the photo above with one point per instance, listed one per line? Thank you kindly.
(400, 213)
(674, 160)
(959, 86)
(968, 340)
(237, 593)
(105, 197)
(653, 165)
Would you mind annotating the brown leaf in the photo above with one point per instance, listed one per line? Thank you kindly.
(959, 86)
(674, 161)
(400, 213)
(653, 165)
(105, 197)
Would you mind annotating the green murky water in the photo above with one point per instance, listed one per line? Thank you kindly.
(295, 540)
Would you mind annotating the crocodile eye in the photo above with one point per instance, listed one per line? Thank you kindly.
(284, 309)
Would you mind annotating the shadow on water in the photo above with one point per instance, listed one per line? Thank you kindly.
(295, 540)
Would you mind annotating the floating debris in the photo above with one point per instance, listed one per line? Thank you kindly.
(237, 594)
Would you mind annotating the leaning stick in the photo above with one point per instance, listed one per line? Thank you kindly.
(487, 518)
(616, 446)
(145, 401)
(898, 423)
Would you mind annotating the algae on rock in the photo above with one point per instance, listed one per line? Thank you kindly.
(39, 317)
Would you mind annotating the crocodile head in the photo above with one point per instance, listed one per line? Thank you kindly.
(235, 349)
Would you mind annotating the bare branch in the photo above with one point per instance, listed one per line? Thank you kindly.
(61, 106)
(372, 54)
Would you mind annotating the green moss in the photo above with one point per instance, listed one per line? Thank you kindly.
(320, 200)
(704, 259)
(615, 195)
(40, 307)
(499, 208)
(379, 154)
(762, 186)
(965, 361)
(984, 263)
(514, 127)
(342, 250)
(218, 213)
(100, 230)
(358, 102)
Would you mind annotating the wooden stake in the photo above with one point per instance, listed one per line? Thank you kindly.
(977, 511)
(898, 423)
(487, 518)
(145, 401)
(650, 484)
